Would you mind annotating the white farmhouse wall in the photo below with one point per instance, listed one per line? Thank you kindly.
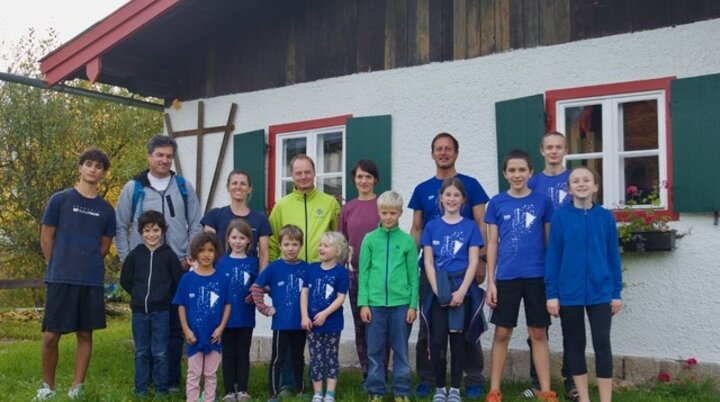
(672, 307)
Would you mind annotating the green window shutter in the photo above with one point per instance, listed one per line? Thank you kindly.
(520, 124)
(695, 107)
(249, 155)
(369, 138)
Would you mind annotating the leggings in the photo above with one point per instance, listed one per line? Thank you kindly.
(438, 350)
(295, 340)
(573, 328)
(236, 358)
(324, 348)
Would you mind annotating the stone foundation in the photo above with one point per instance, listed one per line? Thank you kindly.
(629, 370)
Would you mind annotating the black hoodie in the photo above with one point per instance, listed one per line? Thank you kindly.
(151, 278)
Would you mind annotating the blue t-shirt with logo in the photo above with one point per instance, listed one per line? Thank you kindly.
(241, 274)
(521, 233)
(451, 242)
(285, 281)
(80, 223)
(204, 299)
(323, 288)
(219, 219)
(426, 197)
(555, 187)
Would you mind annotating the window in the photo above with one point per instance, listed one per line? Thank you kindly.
(323, 140)
(622, 132)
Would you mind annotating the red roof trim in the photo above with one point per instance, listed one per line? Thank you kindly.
(101, 37)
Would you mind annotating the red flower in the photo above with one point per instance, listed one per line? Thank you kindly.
(632, 190)
(691, 361)
(641, 214)
(648, 220)
(663, 377)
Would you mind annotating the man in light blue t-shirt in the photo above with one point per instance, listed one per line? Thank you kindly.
(425, 203)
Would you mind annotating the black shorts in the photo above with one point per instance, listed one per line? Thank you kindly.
(531, 292)
(72, 308)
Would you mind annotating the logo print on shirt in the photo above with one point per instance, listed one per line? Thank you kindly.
(328, 291)
(213, 298)
(529, 219)
(84, 210)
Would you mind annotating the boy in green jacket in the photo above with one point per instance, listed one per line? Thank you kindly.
(387, 297)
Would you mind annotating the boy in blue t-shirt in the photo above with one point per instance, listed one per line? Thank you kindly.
(284, 278)
(552, 181)
(76, 233)
(518, 225)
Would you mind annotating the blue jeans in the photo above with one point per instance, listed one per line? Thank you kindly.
(150, 334)
(388, 325)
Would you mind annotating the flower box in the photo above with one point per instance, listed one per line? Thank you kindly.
(650, 241)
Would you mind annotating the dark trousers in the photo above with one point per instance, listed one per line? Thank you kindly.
(473, 362)
(295, 341)
(572, 319)
(236, 358)
(174, 348)
(440, 334)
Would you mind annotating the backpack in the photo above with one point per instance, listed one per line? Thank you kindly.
(139, 195)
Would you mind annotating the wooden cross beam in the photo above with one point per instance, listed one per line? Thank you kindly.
(227, 130)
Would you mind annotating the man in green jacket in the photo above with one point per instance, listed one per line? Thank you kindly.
(388, 298)
(306, 207)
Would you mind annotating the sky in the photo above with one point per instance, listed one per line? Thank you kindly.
(67, 17)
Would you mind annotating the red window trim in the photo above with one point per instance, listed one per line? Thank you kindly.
(279, 129)
(552, 97)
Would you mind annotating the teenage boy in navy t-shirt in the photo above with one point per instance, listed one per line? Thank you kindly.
(518, 224)
(552, 181)
(77, 229)
(284, 278)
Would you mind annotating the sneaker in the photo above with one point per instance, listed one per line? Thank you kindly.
(76, 392)
(229, 398)
(327, 398)
(494, 396)
(474, 391)
(273, 398)
(375, 398)
(317, 398)
(548, 396)
(242, 396)
(454, 395)
(44, 393)
(422, 390)
(403, 398)
(440, 395)
(572, 394)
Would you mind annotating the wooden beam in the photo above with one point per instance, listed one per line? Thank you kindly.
(21, 283)
(195, 131)
(229, 128)
(199, 156)
(171, 133)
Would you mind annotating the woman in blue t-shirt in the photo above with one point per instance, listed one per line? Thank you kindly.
(451, 246)
(239, 186)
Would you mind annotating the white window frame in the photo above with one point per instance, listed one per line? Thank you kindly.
(613, 180)
(311, 137)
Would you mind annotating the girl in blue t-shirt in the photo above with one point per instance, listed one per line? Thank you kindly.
(204, 309)
(583, 276)
(241, 271)
(322, 314)
(452, 249)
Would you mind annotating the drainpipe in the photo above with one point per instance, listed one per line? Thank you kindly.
(20, 79)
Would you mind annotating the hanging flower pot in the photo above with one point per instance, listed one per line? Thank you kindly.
(650, 241)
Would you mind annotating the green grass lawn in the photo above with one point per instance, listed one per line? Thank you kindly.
(110, 377)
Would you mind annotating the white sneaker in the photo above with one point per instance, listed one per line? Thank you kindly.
(242, 396)
(76, 392)
(44, 393)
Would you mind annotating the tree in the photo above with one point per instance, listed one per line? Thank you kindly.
(42, 132)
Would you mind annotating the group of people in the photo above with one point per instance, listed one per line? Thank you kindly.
(196, 279)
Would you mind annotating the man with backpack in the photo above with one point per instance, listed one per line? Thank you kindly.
(159, 189)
